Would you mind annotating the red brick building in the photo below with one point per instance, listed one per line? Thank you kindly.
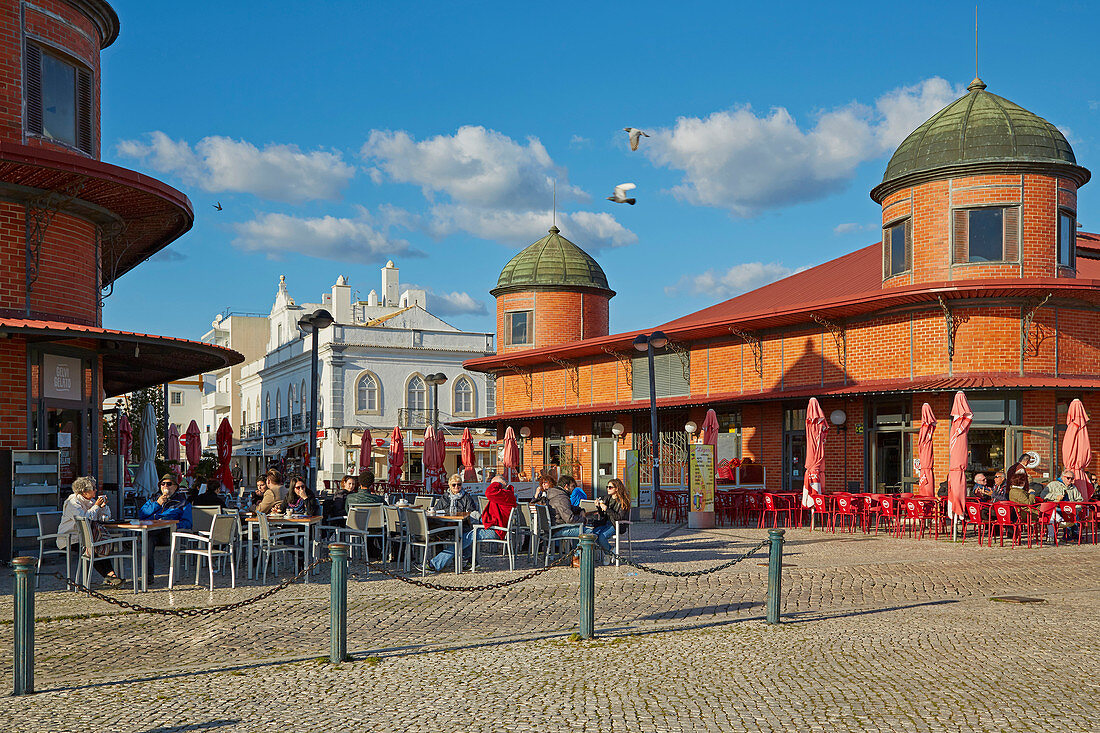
(70, 226)
(981, 283)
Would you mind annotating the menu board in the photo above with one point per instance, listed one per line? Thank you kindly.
(701, 477)
(61, 377)
(639, 497)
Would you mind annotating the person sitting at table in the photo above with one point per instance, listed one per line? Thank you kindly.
(576, 493)
(562, 511)
(335, 506)
(210, 496)
(258, 493)
(456, 500)
(616, 508)
(545, 482)
(981, 487)
(999, 490)
(502, 500)
(84, 503)
(301, 499)
(1060, 489)
(166, 506)
(364, 495)
(274, 492)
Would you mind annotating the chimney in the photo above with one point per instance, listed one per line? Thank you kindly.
(372, 299)
(341, 301)
(390, 285)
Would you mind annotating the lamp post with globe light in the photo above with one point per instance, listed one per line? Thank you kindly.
(311, 324)
(647, 344)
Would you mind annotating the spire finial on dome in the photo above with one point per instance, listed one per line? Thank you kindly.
(976, 85)
(554, 229)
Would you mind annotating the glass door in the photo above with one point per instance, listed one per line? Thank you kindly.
(794, 460)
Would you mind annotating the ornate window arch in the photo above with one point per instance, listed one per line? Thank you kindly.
(464, 397)
(279, 402)
(267, 406)
(290, 400)
(416, 394)
(302, 401)
(368, 393)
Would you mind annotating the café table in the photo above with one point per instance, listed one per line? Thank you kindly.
(306, 525)
(458, 521)
(143, 527)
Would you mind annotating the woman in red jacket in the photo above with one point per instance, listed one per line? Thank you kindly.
(502, 500)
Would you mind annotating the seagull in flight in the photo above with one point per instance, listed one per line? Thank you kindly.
(635, 136)
(218, 206)
(619, 196)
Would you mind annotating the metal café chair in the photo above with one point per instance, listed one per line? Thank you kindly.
(508, 543)
(423, 502)
(422, 538)
(363, 523)
(270, 547)
(394, 534)
(48, 524)
(551, 533)
(88, 546)
(218, 542)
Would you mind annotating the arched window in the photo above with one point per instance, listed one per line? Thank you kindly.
(366, 393)
(463, 396)
(302, 403)
(278, 403)
(416, 395)
(267, 406)
(290, 400)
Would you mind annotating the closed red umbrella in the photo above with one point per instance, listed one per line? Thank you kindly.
(441, 454)
(958, 456)
(710, 428)
(172, 444)
(432, 460)
(816, 428)
(125, 438)
(224, 439)
(927, 484)
(1076, 450)
(510, 456)
(366, 457)
(194, 447)
(468, 456)
(396, 457)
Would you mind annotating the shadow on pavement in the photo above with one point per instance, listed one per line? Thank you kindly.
(194, 726)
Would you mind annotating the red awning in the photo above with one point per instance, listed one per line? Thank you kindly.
(130, 360)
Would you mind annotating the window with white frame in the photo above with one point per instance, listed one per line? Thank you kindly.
(1067, 239)
(986, 234)
(416, 395)
(176, 397)
(278, 403)
(463, 396)
(490, 394)
(366, 393)
(302, 403)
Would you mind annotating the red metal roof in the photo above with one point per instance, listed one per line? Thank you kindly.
(153, 213)
(968, 382)
(131, 360)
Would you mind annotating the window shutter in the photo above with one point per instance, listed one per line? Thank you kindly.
(639, 385)
(886, 271)
(84, 110)
(662, 368)
(908, 244)
(678, 384)
(961, 248)
(1011, 220)
(33, 91)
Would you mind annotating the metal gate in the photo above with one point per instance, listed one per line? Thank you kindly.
(674, 448)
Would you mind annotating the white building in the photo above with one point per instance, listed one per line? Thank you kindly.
(245, 333)
(371, 363)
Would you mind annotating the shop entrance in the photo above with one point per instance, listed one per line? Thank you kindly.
(794, 448)
(603, 456)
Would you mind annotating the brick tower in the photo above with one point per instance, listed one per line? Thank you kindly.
(551, 293)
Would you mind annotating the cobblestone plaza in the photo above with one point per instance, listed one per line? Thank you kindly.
(879, 633)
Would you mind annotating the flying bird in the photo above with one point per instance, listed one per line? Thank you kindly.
(635, 136)
(218, 206)
(619, 196)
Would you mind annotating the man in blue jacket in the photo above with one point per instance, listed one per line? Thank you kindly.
(165, 506)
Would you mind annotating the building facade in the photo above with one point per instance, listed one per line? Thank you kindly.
(220, 395)
(982, 283)
(372, 364)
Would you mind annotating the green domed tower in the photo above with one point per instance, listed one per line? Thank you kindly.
(551, 293)
(983, 189)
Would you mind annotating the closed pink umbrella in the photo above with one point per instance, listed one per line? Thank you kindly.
(431, 459)
(958, 457)
(172, 444)
(224, 441)
(194, 447)
(1076, 450)
(468, 456)
(366, 458)
(710, 428)
(927, 484)
(126, 442)
(510, 457)
(396, 457)
(816, 428)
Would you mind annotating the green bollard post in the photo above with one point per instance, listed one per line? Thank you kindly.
(24, 625)
(775, 572)
(338, 603)
(588, 586)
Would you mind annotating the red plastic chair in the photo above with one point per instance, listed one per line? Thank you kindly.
(871, 508)
(974, 517)
(847, 511)
(920, 513)
(890, 510)
(753, 506)
(825, 508)
(1004, 517)
(1075, 513)
(776, 505)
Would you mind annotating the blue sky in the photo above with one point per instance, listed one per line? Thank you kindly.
(338, 135)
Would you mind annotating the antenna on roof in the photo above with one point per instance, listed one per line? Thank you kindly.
(975, 40)
(555, 222)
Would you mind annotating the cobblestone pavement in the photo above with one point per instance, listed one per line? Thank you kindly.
(882, 633)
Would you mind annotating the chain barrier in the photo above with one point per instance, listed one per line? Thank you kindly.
(190, 612)
(560, 560)
(687, 573)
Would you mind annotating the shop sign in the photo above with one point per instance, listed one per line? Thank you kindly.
(62, 377)
(478, 444)
(702, 477)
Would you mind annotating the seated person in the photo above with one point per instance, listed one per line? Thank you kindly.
(167, 505)
(83, 502)
(301, 499)
(981, 487)
(545, 482)
(576, 493)
(364, 495)
(502, 500)
(258, 494)
(336, 505)
(456, 500)
(616, 508)
(999, 490)
(1061, 489)
(562, 511)
(210, 495)
(274, 493)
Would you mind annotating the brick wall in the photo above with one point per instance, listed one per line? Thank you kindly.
(13, 393)
(559, 317)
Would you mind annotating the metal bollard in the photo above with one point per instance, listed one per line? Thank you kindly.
(24, 625)
(775, 572)
(588, 586)
(338, 603)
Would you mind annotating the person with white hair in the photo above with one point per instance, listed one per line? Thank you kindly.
(84, 503)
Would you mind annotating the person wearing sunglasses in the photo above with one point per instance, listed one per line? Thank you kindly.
(166, 506)
(457, 500)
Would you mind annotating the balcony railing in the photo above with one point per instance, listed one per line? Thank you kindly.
(408, 419)
(296, 422)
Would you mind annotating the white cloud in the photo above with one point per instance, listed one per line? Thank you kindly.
(358, 239)
(734, 281)
(1094, 104)
(591, 231)
(215, 164)
(475, 166)
(747, 163)
(168, 255)
(456, 303)
(579, 141)
(850, 228)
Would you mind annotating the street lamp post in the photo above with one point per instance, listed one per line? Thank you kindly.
(655, 340)
(311, 324)
(435, 380)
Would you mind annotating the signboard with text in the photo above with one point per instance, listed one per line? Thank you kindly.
(62, 377)
(638, 496)
(701, 474)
